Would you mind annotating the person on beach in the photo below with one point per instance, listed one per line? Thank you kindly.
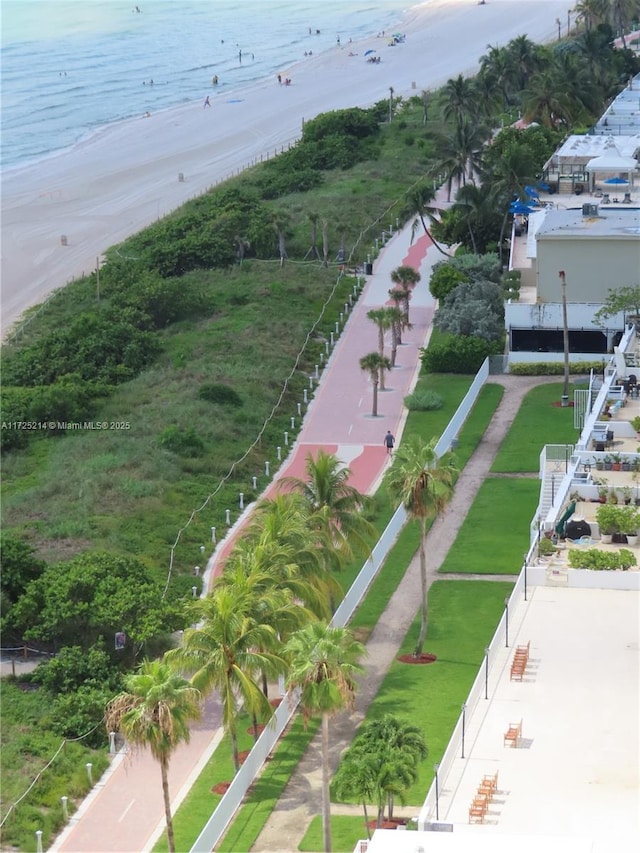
(388, 442)
(207, 102)
(280, 79)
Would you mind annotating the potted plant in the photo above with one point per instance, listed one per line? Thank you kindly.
(608, 462)
(626, 464)
(626, 494)
(635, 423)
(599, 464)
(603, 491)
(616, 462)
(608, 518)
(629, 523)
(546, 547)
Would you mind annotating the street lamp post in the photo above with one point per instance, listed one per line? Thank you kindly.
(559, 25)
(568, 21)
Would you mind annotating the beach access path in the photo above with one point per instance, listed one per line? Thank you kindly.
(133, 172)
(125, 812)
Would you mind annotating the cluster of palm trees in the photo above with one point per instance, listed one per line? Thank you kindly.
(559, 87)
(264, 618)
(389, 317)
(381, 765)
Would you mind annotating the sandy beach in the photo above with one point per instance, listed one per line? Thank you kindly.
(134, 172)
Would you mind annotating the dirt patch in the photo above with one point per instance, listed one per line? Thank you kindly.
(558, 404)
(221, 788)
(394, 823)
(425, 657)
(242, 756)
(260, 727)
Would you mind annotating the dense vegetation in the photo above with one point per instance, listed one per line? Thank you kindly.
(198, 339)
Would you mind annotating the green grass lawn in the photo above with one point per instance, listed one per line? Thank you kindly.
(462, 619)
(537, 423)
(494, 536)
(345, 834)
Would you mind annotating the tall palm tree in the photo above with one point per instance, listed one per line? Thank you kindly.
(279, 221)
(336, 507)
(591, 13)
(460, 153)
(313, 218)
(374, 364)
(423, 482)
(400, 297)
(155, 711)
(418, 204)
(382, 319)
(405, 278)
(525, 59)
(223, 654)
(497, 69)
(459, 99)
(286, 520)
(324, 664)
(396, 318)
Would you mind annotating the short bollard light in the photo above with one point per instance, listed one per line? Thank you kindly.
(254, 481)
(227, 514)
(39, 840)
(266, 469)
(65, 800)
(286, 439)
(300, 406)
(89, 765)
(305, 396)
(293, 423)
(241, 500)
(194, 591)
(196, 571)
(279, 453)
(213, 535)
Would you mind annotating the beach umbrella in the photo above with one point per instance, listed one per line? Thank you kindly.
(532, 192)
(544, 186)
(616, 181)
(367, 52)
(520, 207)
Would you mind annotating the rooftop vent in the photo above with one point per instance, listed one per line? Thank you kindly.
(589, 209)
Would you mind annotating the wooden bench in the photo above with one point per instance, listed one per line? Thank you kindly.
(513, 734)
(490, 783)
(519, 662)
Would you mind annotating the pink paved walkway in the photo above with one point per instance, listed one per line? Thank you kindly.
(126, 812)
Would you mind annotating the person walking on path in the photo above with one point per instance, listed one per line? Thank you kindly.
(207, 102)
(388, 442)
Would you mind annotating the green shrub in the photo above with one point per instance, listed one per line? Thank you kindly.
(184, 442)
(445, 278)
(459, 355)
(597, 560)
(224, 395)
(423, 401)
(554, 368)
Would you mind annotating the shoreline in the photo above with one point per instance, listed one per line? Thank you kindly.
(135, 171)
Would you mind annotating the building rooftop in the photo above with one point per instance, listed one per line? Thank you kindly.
(608, 222)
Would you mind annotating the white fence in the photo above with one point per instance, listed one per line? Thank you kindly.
(228, 805)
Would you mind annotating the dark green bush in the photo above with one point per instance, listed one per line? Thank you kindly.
(224, 395)
(459, 355)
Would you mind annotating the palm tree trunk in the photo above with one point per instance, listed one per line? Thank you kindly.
(366, 818)
(234, 747)
(265, 686)
(432, 238)
(326, 805)
(254, 725)
(381, 352)
(374, 410)
(164, 770)
(423, 582)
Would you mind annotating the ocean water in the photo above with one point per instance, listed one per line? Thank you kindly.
(69, 67)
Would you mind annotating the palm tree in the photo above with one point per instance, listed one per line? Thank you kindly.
(461, 152)
(591, 13)
(324, 664)
(400, 744)
(396, 318)
(155, 712)
(314, 218)
(336, 507)
(400, 297)
(525, 59)
(548, 101)
(418, 204)
(356, 777)
(286, 520)
(223, 654)
(374, 364)
(382, 319)
(497, 69)
(423, 482)
(279, 221)
(405, 278)
(459, 99)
